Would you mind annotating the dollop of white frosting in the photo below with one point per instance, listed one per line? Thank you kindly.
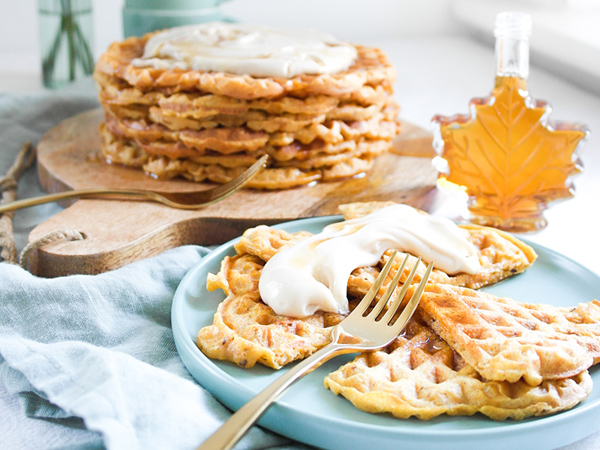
(313, 274)
(246, 49)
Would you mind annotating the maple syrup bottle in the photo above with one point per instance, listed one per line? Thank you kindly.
(506, 154)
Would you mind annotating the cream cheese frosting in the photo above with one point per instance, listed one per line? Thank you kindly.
(313, 274)
(244, 49)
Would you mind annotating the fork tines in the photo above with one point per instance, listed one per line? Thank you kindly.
(390, 316)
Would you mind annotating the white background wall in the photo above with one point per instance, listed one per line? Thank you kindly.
(566, 38)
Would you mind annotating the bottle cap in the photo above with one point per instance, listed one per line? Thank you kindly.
(513, 24)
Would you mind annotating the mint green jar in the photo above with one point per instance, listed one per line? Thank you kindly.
(143, 16)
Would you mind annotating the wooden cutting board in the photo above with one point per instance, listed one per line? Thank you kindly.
(119, 232)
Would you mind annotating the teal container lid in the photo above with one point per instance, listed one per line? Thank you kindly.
(172, 4)
(144, 16)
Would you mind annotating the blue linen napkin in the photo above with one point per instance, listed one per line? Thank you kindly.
(89, 361)
(101, 348)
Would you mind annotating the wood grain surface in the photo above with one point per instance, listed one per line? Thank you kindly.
(119, 232)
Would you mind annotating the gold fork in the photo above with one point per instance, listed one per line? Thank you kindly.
(185, 200)
(360, 331)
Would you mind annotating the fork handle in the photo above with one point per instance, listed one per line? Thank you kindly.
(237, 425)
(82, 193)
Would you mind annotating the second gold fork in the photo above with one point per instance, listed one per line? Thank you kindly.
(185, 200)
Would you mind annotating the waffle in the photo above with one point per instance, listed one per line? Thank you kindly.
(371, 68)
(420, 375)
(507, 340)
(248, 325)
(166, 161)
(254, 120)
(130, 154)
(238, 114)
(207, 114)
(235, 139)
(115, 91)
(501, 255)
(293, 154)
(246, 331)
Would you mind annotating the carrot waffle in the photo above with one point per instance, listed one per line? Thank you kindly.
(371, 68)
(312, 162)
(420, 375)
(241, 139)
(507, 340)
(500, 254)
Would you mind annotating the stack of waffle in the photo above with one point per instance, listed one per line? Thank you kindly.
(211, 126)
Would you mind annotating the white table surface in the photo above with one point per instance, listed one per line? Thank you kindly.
(439, 75)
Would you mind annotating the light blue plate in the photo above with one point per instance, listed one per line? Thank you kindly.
(309, 413)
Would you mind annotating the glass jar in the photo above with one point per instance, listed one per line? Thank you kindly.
(506, 154)
(66, 31)
(143, 16)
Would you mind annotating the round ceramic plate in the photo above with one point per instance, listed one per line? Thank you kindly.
(309, 413)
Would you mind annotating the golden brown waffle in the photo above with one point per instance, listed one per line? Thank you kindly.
(500, 254)
(315, 154)
(263, 241)
(420, 375)
(177, 119)
(507, 340)
(222, 140)
(254, 120)
(169, 160)
(344, 111)
(370, 68)
(235, 139)
(130, 154)
(246, 331)
(203, 105)
(257, 246)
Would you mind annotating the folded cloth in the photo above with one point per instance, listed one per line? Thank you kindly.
(89, 361)
(101, 348)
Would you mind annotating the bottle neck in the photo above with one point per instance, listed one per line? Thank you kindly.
(512, 57)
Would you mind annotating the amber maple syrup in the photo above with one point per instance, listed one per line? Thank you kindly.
(506, 155)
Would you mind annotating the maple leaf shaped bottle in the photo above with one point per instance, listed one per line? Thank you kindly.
(506, 154)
